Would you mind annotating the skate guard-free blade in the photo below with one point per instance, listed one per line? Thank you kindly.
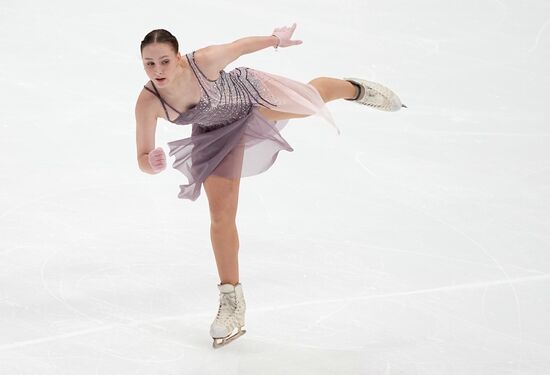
(221, 342)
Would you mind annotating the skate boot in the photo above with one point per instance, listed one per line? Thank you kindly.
(375, 95)
(229, 322)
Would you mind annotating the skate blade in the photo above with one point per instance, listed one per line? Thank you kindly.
(219, 343)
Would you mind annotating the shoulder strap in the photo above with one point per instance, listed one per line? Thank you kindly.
(195, 67)
(164, 104)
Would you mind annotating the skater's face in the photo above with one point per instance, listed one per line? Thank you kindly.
(160, 62)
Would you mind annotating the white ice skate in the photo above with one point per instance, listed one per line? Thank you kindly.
(375, 95)
(229, 322)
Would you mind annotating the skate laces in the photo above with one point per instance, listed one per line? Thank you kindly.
(371, 96)
(376, 95)
(227, 307)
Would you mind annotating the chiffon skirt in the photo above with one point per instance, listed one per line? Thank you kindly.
(249, 145)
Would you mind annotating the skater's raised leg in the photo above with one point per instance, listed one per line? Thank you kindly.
(364, 92)
(333, 88)
(329, 89)
(368, 93)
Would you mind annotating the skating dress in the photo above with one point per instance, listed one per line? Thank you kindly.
(230, 137)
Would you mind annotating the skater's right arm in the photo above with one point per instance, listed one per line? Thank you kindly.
(146, 125)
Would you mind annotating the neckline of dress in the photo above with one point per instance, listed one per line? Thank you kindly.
(180, 114)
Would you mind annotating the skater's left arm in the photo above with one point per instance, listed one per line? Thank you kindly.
(222, 55)
(219, 56)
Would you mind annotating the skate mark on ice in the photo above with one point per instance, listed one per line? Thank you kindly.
(446, 258)
(106, 327)
(60, 196)
(99, 271)
(539, 34)
(447, 288)
(478, 245)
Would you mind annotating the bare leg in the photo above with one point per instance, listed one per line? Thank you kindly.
(223, 194)
(333, 88)
(329, 89)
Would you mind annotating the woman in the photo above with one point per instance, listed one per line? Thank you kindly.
(236, 119)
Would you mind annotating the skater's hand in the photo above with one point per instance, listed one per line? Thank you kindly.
(157, 160)
(284, 34)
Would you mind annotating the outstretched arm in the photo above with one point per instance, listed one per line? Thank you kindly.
(219, 56)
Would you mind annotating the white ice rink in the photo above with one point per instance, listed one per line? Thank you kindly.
(415, 242)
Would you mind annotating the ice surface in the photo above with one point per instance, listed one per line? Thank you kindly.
(416, 242)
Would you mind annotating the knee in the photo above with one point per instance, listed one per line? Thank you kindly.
(223, 215)
(223, 197)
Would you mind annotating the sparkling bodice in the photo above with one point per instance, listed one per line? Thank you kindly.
(223, 101)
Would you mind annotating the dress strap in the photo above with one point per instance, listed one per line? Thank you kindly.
(195, 67)
(164, 104)
(211, 88)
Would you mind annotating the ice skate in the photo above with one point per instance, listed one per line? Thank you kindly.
(229, 322)
(375, 95)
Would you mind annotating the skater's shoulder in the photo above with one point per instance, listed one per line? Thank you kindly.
(147, 101)
(207, 62)
(147, 95)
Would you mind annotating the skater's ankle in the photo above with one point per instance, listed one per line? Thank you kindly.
(357, 93)
(232, 282)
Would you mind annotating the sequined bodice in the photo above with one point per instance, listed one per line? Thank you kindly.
(223, 101)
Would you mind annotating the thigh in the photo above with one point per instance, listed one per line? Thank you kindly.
(273, 115)
(223, 196)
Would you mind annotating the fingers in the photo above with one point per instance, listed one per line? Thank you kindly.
(157, 159)
(286, 28)
(284, 34)
(157, 154)
(291, 28)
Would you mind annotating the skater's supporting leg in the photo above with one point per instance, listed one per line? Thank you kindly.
(223, 194)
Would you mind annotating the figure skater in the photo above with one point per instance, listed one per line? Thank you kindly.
(236, 117)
